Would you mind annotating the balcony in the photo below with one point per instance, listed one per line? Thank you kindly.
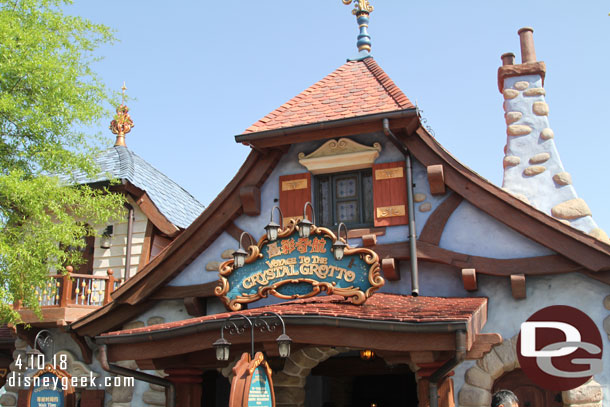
(69, 297)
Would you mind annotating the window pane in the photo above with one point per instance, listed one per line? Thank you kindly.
(347, 212)
(367, 197)
(347, 187)
(324, 204)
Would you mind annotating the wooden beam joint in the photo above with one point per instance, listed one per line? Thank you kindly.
(250, 197)
(517, 285)
(436, 179)
(469, 278)
(390, 269)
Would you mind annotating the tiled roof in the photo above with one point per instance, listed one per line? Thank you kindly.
(379, 307)
(355, 89)
(173, 201)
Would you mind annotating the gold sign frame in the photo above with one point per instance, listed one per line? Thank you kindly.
(354, 294)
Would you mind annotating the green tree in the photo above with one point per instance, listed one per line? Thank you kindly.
(48, 96)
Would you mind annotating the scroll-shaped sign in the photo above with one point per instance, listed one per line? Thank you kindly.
(252, 385)
(50, 387)
(299, 267)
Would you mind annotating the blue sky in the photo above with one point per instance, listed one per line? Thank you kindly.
(202, 72)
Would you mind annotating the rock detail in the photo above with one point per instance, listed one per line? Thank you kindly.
(563, 178)
(535, 92)
(9, 399)
(572, 209)
(134, 325)
(547, 134)
(534, 170)
(511, 161)
(510, 93)
(607, 325)
(155, 395)
(607, 302)
(425, 207)
(227, 254)
(512, 117)
(212, 266)
(518, 130)
(155, 321)
(521, 85)
(540, 108)
(419, 197)
(289, 384)
(540, 158)
(599, 234)
(589, 394)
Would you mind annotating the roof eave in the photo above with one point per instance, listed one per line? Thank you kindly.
(275, 136)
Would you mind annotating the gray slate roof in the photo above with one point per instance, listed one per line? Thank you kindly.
(173, 201)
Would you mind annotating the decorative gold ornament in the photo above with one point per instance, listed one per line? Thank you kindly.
(360, 6)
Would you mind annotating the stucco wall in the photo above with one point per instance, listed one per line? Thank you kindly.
(115, 256)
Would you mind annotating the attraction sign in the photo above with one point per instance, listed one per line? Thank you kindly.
(50, 387)
(252, 385)
(292, 267)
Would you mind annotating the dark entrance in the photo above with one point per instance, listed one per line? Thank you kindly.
(215, 390)
(348, 381)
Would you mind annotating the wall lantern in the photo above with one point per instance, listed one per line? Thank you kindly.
(239, 255)
(273, 228)
(44, 340)
(339, 246)
(305, 224)
(367, 354)
(107, 237)
(222, 348)
(259, 321)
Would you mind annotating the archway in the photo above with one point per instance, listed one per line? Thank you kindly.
(481, 378)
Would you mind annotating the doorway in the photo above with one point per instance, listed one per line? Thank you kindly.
(347, 380)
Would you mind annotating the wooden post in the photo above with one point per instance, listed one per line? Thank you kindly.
(66, 288)
(109, 286)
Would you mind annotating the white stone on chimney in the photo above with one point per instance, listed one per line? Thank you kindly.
(532, 167)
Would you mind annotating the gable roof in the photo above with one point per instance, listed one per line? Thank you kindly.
(578, 251)
(356, 88)
(173, 201)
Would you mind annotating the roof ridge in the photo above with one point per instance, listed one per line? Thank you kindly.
(388, 84)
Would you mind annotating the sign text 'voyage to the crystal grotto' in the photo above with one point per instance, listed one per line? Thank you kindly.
(299, 267)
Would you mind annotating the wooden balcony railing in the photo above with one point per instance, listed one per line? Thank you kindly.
(71, 289)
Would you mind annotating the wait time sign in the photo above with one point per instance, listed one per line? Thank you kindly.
(299, 267)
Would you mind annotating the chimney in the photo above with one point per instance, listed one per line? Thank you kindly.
(533, 171)
(526, 37)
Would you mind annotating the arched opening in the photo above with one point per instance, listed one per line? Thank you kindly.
(348, 380)
(528, 393)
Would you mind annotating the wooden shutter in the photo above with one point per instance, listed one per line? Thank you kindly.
(295, 191)
(92, 398)
(390, 194)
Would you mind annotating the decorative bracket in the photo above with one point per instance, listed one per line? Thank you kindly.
(340, 155)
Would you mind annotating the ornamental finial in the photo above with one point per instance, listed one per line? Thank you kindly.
(122, 123)
(361, 10)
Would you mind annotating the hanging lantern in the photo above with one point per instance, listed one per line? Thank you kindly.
(283, 345)
(339, 246)
(222, 349)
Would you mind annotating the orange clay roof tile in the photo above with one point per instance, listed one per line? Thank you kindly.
(355, 88)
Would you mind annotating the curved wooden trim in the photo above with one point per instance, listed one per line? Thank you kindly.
(541, 265)
(433, 229)
(579, 247)
(180, 292)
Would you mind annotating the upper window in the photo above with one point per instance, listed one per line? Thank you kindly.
(344, 197)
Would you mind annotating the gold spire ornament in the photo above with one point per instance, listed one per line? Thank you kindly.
(360, 6)
(122, 123)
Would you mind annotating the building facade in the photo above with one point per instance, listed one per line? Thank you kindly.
(458, 262)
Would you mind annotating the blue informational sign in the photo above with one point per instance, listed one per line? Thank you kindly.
(47, 391)
(298, 267)
(260, 390)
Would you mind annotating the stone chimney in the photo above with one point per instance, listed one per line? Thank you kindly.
(532, 168)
